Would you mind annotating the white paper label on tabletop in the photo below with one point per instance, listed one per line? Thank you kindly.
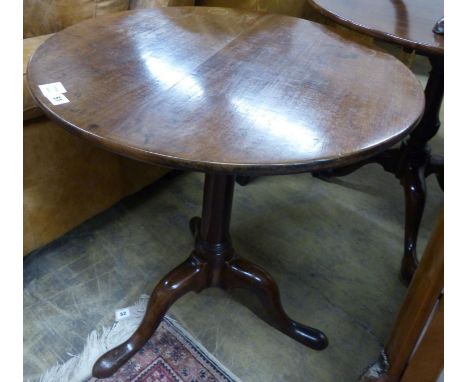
(57, 99)
(54, 93)
(52, 89)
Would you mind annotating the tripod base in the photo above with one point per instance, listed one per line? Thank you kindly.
(213, 263)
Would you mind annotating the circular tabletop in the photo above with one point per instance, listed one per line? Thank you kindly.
(408, 23)
(225, 90)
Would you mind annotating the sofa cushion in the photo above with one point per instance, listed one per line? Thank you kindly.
(285, 7)
(136, 4)
(49, 16)
(30, 109)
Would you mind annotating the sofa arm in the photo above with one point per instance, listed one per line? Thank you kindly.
(30, 109)
(67, 180)
(136, 4)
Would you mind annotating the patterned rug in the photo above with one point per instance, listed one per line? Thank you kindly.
(171, 355)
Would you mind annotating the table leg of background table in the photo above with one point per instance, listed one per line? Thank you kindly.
(414, 186)
(436, 167)
(417, 163)
(411, 163)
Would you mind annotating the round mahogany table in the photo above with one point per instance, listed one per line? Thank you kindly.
(409, 24)
(224, 92)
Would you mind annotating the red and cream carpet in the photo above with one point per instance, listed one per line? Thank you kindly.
(171, 356)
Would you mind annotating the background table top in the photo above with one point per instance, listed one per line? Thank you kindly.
(224, 90)
(407, 23)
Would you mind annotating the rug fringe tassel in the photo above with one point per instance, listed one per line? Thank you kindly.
(78, 368)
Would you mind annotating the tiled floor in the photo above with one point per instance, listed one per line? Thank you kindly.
(334, 249)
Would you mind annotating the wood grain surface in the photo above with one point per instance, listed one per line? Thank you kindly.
(226, 90)
(408, 23)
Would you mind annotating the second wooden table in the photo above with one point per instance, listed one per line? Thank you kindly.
(409, 24)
